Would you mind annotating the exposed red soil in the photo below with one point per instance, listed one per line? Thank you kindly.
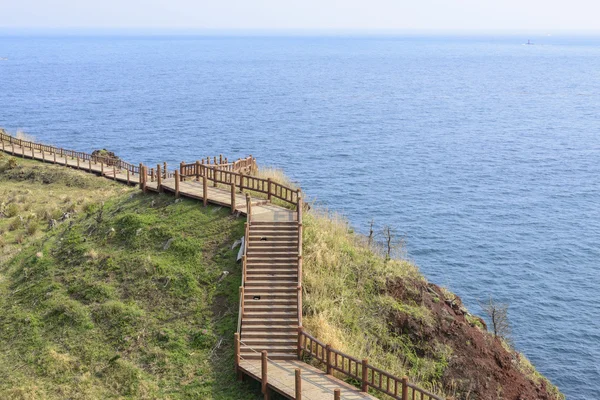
(480, 368)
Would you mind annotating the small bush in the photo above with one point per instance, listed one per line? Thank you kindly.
(11, 210)
(12, 163)
(20, 238)
(32, 228)
(15, 224)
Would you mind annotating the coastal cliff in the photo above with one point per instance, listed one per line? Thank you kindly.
(108, 292)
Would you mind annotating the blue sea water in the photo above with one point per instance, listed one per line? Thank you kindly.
(482, 152)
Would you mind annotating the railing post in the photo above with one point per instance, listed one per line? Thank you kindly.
(115, 172)
(205, 189)
(299, 206)
(247, 234)
(299, 348)
(214, 171)
(328, 359)
(298, 384)
(158, 179)
(241, 182)
(404, 388)
(299, 305)
(365, 383)
(263, 370)
(197, 170)
(144, 178)
(220, 159)
(101, 168)
(176, 183)
(269, 189)
(236, 338)
(151, 174)
(78, 163)
(244, 268)
(233, 198)
(165, 170)
(141, 172)
(22, 151)
(337, 395)
(128, 180)
(43, 153)
(248, 208)
(181, 170)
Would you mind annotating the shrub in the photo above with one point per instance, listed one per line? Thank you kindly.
(32, 228)
(12, 163)
(11, 210)
(15, 224)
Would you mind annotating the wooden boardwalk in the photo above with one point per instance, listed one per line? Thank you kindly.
(270, 342)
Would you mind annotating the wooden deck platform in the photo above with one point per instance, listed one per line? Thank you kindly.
(316, 385)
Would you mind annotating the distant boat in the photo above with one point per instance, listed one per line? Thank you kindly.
(529, 42)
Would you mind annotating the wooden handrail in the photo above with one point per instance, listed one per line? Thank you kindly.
(227, 174)
(360, 370)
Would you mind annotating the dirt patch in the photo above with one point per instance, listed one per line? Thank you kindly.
(480, 367)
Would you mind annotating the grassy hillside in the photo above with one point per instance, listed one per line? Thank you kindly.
(123, 299)
(125, 296)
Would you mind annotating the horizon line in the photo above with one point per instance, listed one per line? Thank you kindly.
(150, 31)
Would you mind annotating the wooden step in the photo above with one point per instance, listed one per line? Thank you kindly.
(270, 244)
(267, 258)
(274, 356)
(263, 328)
(273, 227)
(265, 293)
(270, 233)
(275, 251)
(252, 308)
(281, 322)
(271, 223)
(254, 342)
(263, 306)
(290, 334)
(269, 271)
(272, 265)
(277, 238)
(274, 277)
(265, 287)
(265, 315)
(279, 284)
(273, 301)
(271, 348)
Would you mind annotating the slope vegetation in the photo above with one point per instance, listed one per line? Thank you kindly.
(127, 296)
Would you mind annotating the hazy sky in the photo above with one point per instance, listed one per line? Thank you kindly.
(517, 15)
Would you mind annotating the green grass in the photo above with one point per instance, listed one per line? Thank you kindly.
(97, 308)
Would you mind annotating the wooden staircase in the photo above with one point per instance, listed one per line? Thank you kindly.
(270, 304)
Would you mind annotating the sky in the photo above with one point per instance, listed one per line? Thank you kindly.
(344, 15)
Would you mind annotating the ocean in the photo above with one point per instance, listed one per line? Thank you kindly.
(482, 153)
